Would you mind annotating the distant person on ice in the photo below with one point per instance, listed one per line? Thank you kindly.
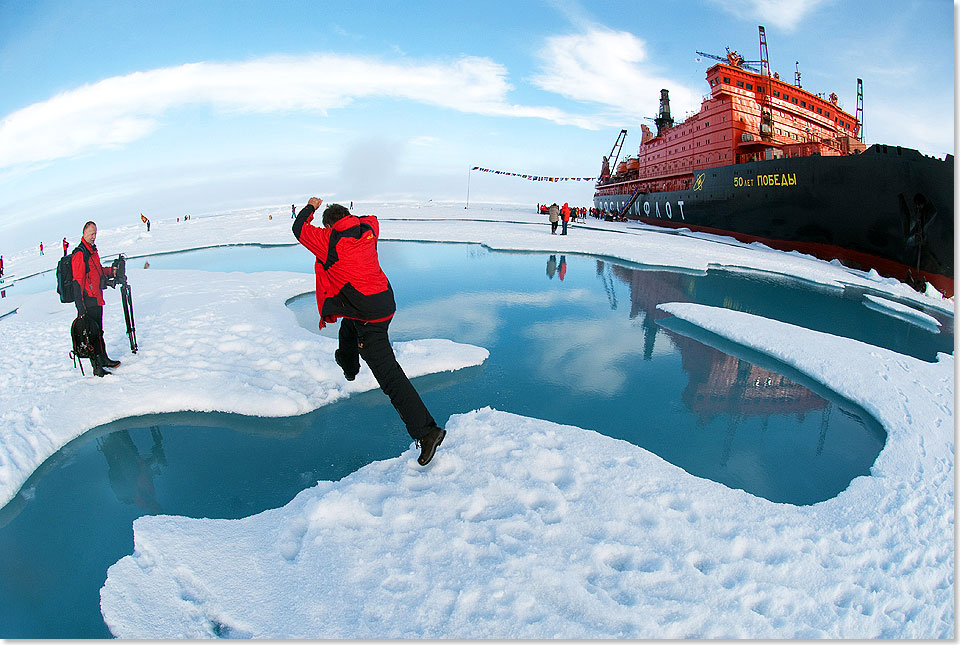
(352, 286)
(89, 275)
(66, 245)
(554, 214)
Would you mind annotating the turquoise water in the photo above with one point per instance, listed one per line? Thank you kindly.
(573, 339)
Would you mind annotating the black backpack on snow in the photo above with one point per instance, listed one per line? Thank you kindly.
(85, 334)
(65, 281)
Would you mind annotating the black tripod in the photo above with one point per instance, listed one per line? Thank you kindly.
(120, 277)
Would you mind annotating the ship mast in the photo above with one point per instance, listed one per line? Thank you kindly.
(766, 112)
(764, 58)
(859, 114)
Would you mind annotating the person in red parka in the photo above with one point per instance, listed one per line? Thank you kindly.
(565, 215)
(352, 288)
(88, 275)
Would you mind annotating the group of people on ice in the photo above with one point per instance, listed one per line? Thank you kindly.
(564, 214)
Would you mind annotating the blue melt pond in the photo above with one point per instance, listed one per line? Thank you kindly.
(574, 339)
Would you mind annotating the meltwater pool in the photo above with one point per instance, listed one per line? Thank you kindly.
(573, 339)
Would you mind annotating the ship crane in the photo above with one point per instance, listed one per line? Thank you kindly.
(610, 161)
(734, 59)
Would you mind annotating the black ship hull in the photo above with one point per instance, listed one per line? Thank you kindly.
(887, 208)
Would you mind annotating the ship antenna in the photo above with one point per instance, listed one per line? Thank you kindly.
(796, 76)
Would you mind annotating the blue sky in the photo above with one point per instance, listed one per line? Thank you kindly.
(110, 108)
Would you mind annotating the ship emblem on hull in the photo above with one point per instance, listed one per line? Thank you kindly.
(699, 183)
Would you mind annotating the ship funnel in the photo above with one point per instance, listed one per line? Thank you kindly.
(664, 121)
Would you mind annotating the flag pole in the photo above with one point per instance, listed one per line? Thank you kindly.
(468, 188)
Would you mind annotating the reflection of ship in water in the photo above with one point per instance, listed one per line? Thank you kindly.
(718, 383)
(130, 474)
(723, 383)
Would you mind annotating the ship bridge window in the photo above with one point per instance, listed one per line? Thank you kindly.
(819, 110)
(776, 93)
(726, 79)
(786, 97)
(749, 86)
(739, 83)
(803, 104)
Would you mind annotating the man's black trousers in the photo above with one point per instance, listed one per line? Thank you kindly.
(370, 341)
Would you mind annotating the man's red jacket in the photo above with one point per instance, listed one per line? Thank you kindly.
(350, 282)
(89, 279)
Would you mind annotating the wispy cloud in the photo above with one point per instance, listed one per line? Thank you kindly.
(119, 110)
(786, 15)
(611, 68)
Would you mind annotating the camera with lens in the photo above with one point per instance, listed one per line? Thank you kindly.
(119, 273)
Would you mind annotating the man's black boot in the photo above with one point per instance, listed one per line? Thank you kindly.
(349, 375)
(109, 362)
(98, 367)
(428, 444)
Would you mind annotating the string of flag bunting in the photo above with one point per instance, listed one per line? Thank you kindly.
(532, 177)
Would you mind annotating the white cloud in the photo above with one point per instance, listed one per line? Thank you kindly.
(474, 316)
(122, 109)
(785, 15)
(565, 363)
(610, 68)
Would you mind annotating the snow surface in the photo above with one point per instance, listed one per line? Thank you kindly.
(901, 311)
(520, 527)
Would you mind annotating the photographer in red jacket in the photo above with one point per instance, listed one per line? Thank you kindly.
(352, 286)
(90, 277)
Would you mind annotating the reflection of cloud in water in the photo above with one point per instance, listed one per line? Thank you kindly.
(586, 355)
(473, 317)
